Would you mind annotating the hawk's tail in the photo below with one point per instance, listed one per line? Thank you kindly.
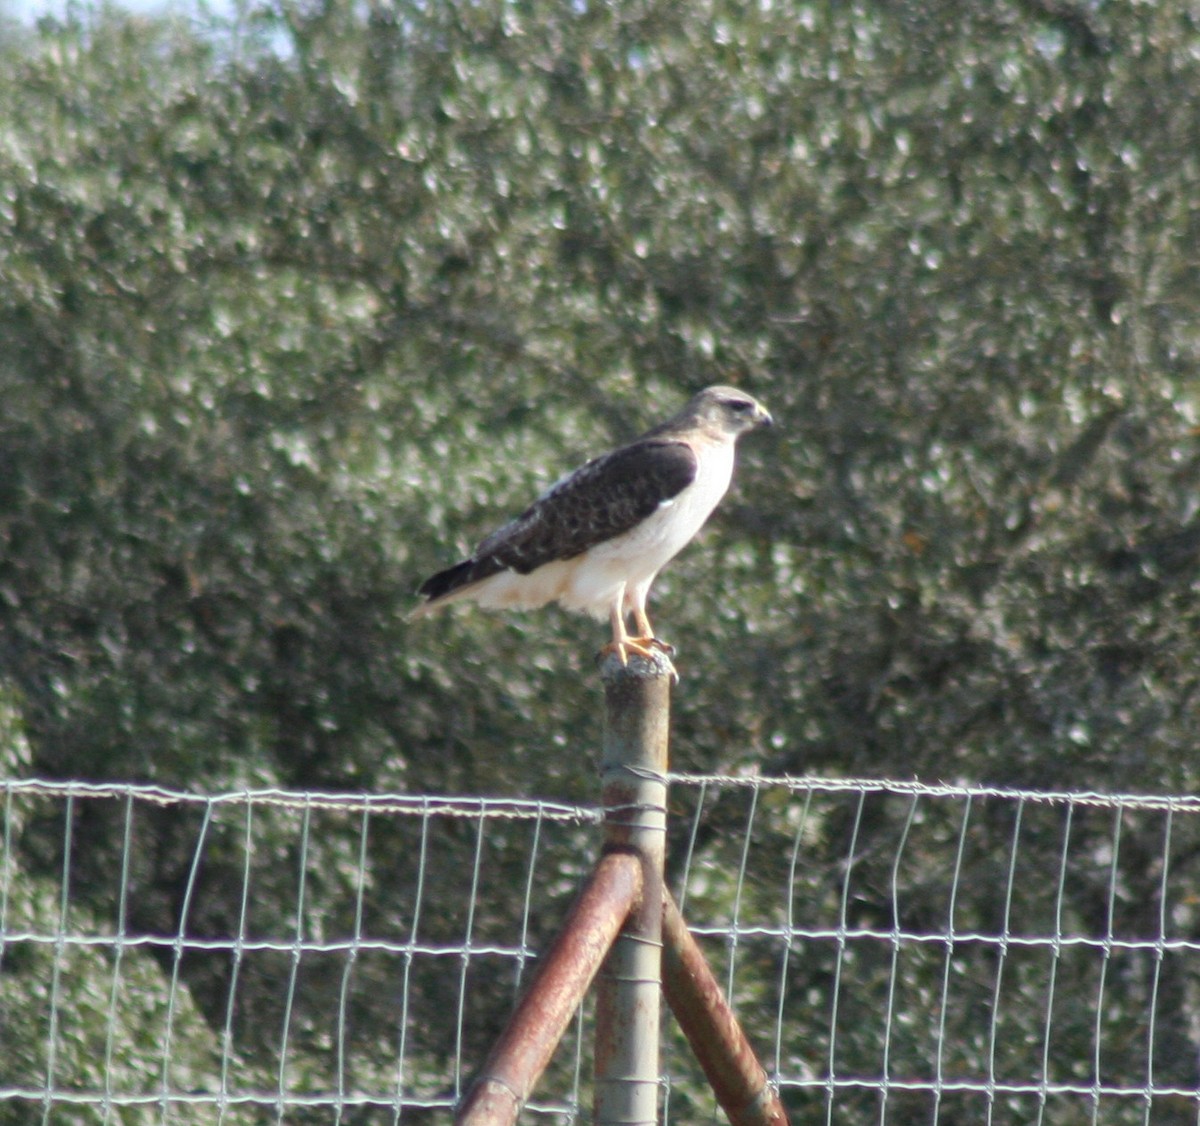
(453, 583)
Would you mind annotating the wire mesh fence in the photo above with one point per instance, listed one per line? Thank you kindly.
(898, 953)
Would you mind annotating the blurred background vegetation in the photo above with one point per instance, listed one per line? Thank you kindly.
(296, 306)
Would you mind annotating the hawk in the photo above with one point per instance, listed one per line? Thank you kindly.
(595, 540)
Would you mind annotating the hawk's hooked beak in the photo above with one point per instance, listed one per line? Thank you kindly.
(762, 417)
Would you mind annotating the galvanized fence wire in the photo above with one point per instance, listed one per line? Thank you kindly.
(938, 953)
(320, 954)
(898, 952)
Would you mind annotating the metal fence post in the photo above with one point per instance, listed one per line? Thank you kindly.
(628, 988)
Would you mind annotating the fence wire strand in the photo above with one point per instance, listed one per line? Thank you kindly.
(899, 952)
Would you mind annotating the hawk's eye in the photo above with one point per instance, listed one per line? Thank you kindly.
(740, 406)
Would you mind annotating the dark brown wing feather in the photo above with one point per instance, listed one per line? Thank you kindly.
(600, 500)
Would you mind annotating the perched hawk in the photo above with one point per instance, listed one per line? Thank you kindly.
(595, 540)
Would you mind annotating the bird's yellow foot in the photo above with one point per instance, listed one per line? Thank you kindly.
(648, 647)
(642, 646)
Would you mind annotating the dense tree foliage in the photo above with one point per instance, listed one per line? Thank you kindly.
(292, 312)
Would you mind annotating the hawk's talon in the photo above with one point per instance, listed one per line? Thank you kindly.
(655, 646)
(649, 643)
(639, 645)
(643, 646)
(648, 648)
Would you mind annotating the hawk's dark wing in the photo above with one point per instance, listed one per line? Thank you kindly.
(599, 501)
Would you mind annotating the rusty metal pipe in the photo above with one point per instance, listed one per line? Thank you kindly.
(714, 1033)
(559, 984)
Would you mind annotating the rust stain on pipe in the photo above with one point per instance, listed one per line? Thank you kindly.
(715, 1036)
(532, 1033)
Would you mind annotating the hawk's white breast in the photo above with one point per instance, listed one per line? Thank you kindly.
(633, 558)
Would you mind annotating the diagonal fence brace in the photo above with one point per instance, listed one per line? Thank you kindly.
(713, 1032)
(531, 1035)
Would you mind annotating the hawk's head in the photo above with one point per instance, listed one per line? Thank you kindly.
(727, 411)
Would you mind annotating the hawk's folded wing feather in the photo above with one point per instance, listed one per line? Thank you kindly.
(601, 500)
